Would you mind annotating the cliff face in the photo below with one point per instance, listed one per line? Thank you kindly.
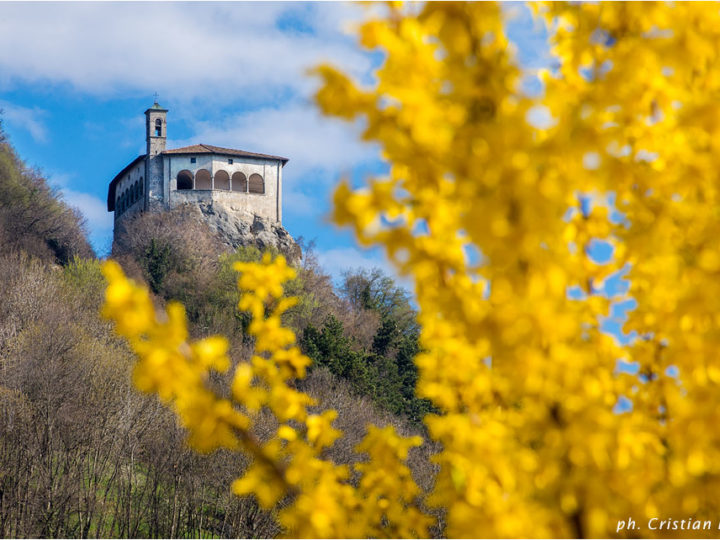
(235, 228)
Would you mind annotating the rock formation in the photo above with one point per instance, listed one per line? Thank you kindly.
(235, 228)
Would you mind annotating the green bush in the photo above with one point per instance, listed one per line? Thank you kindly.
(85, 281)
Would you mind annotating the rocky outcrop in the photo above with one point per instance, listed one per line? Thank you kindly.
(235, 228)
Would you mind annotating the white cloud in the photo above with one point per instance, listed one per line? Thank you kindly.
(201, 58)
(25, 118)
(297, 203)
(297, 131)
(335, 261)
(320, 149)
(232, 74)
(92, 208)
(59, 180)
(253, 51)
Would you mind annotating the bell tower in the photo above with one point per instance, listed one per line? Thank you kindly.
(156, 137)
(155, 129)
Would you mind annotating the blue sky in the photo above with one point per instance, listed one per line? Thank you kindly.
(76, 78)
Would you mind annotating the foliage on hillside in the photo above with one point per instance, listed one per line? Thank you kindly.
(32, 218)
(384, 370)
(364, 332)
(82, 453)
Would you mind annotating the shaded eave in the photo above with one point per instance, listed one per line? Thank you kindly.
(218, 150)
(118, 176)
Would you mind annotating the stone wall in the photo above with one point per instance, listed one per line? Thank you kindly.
(238, 218)
(155, 193)
(136, 174)
(267, 205)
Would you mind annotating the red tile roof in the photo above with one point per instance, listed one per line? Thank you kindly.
(209, 149)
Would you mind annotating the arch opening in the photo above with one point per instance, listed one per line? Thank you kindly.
(239, 182)
(203, 179)
(222, 180)
(256, 184)
(185, 179)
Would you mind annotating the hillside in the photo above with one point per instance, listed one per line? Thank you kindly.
(82, 453)
(32, 218)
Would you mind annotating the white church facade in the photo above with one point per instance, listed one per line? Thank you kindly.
(161, 179)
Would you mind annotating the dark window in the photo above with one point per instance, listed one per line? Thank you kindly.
(193, 160)
(185, 180)
(256, 184)
(158, 128)
(230, 161)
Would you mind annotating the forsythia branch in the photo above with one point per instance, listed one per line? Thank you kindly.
(323, 502)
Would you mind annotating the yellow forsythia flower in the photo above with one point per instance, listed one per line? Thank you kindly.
(494, 217)
(326, 505)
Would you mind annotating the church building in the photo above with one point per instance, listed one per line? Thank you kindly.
(160, 179)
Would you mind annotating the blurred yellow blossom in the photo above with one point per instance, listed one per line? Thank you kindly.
(533, 441)
(290, 464)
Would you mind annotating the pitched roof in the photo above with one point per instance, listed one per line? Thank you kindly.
(209, 149)
(113, 183)
(156, 107)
